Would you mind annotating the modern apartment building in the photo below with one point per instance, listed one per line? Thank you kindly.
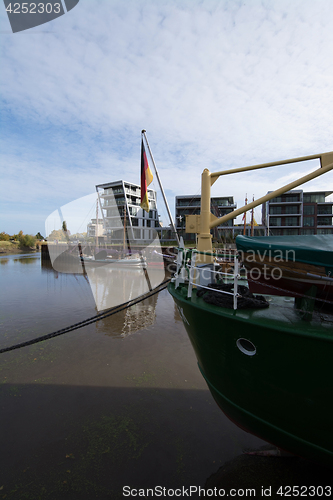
(92, 232)
(298, 212)
(120, 205)
(190, 205)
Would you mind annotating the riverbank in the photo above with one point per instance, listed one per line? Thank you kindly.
(12, 247)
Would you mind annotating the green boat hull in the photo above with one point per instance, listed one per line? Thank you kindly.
(283, 390)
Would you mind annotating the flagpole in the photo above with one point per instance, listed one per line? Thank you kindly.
(161, 187)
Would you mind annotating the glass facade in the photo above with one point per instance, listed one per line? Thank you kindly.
(308, 210)
(292, 209)
(291, 221)
(324, 209)
(314, 198)
(308, 221)
(286, 198)
(324, 221)
(275, 221)
(290, 232)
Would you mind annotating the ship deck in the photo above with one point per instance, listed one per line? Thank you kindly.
(280, 315)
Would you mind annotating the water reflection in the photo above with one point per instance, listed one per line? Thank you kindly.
(25, 260)
(107, 291)
(111, 283)
(130, 320)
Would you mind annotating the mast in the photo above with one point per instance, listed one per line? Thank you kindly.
(124, 245)
(96, 232)
(244, 218)
(161, 187)
(252, 219)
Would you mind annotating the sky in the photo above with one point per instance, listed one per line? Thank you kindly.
(215, 83)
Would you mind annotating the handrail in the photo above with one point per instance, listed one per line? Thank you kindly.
(192, 269)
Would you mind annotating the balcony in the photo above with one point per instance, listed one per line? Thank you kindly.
(298, 202)
(133, 192)
(189, 203)
(324, 221)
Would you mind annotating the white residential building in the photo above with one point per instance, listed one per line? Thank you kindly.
(120, 205)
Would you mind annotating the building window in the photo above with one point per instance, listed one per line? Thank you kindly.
(290, 232)
(275, 210)
(135, 222)
(222, 201)
(307, 231)
(275, 221)
(324, 221)
(324, 231)
(112, 212)
(308, 210)
(324, 209)
(292, 209)
(188, 203)
(291, 198)
(276, 232)
(286, 198)
(308, 221)
(314, 198)
(291, 221)
(133, 210)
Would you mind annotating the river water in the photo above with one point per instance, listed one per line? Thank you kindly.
(119, 403)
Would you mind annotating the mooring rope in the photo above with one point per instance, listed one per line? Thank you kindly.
(88, 321)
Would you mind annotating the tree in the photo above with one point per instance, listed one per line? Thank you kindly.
(4, 236)
(39, 236)
(27, 240)
(18, 236)
(56, 234)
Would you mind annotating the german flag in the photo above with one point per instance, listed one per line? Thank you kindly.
(146, 179)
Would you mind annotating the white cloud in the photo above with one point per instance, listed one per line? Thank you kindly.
(215, 83)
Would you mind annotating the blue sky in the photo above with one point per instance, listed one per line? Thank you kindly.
(216, 84)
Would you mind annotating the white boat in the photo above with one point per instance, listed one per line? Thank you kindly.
(127, 261)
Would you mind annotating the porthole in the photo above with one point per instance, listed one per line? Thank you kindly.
(246, 347)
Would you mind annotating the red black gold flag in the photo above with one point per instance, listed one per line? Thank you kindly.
(146, 179)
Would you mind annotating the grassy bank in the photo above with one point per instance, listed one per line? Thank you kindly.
(13, 247)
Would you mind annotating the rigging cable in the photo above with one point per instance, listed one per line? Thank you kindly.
(88, 321)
